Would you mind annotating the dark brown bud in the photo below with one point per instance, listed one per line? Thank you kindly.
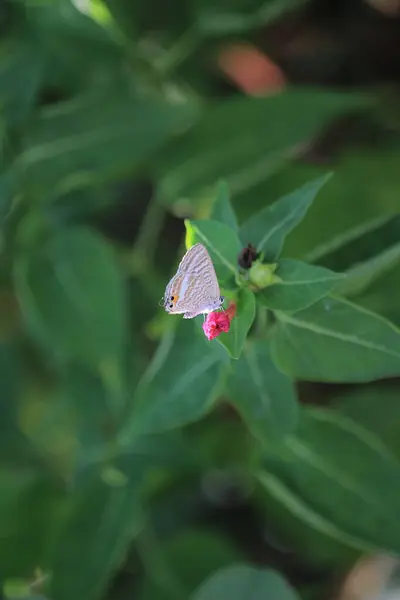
(247, 256)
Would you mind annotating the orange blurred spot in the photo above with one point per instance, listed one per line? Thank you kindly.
(251, 70)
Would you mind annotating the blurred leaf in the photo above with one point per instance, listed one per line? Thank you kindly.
(265, 398)
(383, 296)
(30, 499)
(222, 17)
(366, 252)
(78, 52)
(301, 286)
(6, 197)
(178, 566)
(85, 397)
(136, 19)
(340, 479)
(360, 277)
(363, 189)
(268, 229)
(21, 70)
(357, 244)
(10, 385)
(336, 341)
(244, 582)
(243, 140)
(20, 590)
(180, 384)
(94, 139)
(92, 539)
(221, 242)
(377, 409)
(72, 298)
(235, 339)
(294, 528)
(222, 210)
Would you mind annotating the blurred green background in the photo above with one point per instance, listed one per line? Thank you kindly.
(121, 476)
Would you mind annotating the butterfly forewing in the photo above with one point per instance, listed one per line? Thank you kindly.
(194, 288)
(197, 261)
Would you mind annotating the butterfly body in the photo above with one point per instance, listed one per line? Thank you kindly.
(194, 289)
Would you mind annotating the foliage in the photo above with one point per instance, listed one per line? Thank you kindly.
(122, 427)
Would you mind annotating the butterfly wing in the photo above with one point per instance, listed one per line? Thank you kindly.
(197, 261)
(180, 295)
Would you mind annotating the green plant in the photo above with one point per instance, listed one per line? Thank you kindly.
(113, 412)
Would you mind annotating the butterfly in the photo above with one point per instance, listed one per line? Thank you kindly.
(194, 289)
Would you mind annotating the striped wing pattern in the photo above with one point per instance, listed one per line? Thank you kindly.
(195, 285)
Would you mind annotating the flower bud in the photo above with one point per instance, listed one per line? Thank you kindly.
(262, 275)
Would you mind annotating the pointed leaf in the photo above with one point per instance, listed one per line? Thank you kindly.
(244, 140)
(264, 397)
(362, 275)
(376, 408)
(95, 139)
(21, 70)
(180, 384)
(220, 18)
(235, 339)
(72, 298)
(301, 285)
(335, 469)
(30, 499)
(244, 582)
(181, 557)
(337, 341)
(221, 242)
(268, 229)
(222, 210)
(103, 517)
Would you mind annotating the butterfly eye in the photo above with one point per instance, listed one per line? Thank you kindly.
(221, 299)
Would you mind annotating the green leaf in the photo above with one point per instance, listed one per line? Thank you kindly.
(221, 242)
(268, 229)
(10, 387)
(222, 210)
(365, 252)
(6, 199)
(362, 190)
(221, 18)
(244, 582)
(93, 537)
(362, 275)
(295, 526)
(356, 244)
(235, 339)
(85, 399)
(79, 53)
(72, 298)
(21, 70)
(94, 139)
(30, 498)
(139, 19)
(265, 131)
(301, 285)
(336, 341)
(333, 469)
(189, 558)
(377, 409)
(265, 398)
(180, 385)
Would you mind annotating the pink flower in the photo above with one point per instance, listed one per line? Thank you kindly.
(219, 322)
